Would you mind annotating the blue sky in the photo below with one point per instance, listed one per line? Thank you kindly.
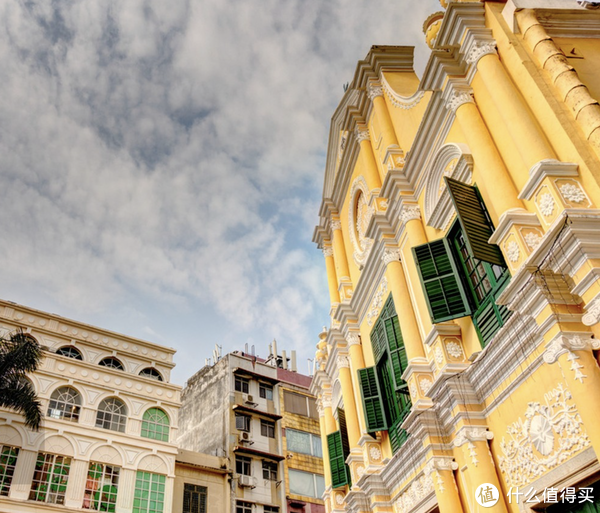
(162, 162)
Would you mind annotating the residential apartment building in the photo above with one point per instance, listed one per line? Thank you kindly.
(461, 232)
(259, 415)
(107, 439)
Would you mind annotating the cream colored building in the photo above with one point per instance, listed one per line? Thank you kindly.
(107, 441)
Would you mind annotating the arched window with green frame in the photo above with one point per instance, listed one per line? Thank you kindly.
(155, 425)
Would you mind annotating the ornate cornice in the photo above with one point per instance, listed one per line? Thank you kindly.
(362, 134)
(374, 90)
(592, 316)
(391, 255)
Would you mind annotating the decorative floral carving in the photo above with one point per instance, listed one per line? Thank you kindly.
(377, 302)
(439, 355)
(546, 204)
(339, 498)
(454, 349)
(419, 489)
(528, 453)
(375, 453)
(413, 391)
(360, 471)
(572, 192)
(513, 251)
(532, 240)
(425, 384)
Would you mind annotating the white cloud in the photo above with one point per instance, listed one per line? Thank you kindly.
(172, 153)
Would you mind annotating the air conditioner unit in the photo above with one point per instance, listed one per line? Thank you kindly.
(245, 437)
(248, 399)
(246, 481)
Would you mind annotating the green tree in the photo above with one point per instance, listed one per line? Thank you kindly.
(19, 355)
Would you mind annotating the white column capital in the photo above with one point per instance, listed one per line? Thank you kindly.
(374, 90)
(409, 212)
(480, 48)
(343, 362)
(592, 315)
(327, 251)
(391, 255)
(353, 338)
(336, 224)
(472, 434)
(362, 134)
(566, 344)
(326, 401)
(458, 98)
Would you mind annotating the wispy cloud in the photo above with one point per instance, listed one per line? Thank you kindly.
(171, 153)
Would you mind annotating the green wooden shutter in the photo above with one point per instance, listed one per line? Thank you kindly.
(337, 462)
(444, 291)
(475, 222)
(372, 399)
(341, 414)
(398, 359)
(378, 342)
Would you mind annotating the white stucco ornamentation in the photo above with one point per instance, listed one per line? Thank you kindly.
(459, 98)
(409, 213)
(572, 192)
(399, 101)
(532, 240)
(425, 384)
(336, 224)
(419, 489)
(377, 302)
(567, 344)
(390, 255)
(512, 251)
(592, 316)
(413, 391)
(454, 350)
(327, 251)
(359, 217)
(479, 49)
(375, 453)
(439, 355)
(549, 435)
(362, 134)
(353, 338)
(343, 362)
(360, 471)
(546, 204)
(374, 90)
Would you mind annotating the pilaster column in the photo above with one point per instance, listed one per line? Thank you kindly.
(76, 483)
(330, 425)
(339, 251)
(410, 216)
(441, 473)
(24, 469)
(371, 171)
(332, 281)
(127, 479)
(352, 424)
(323, 431)
(406, 318)
(389, 140)
(573, 353)
(471, 450)
(502, 194)
(357, 361)
(527, 136)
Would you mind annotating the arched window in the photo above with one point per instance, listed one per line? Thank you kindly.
(155, 425)
(112, 414)
(65, 403)
(70, 352)
(112, 363)
(151, 373)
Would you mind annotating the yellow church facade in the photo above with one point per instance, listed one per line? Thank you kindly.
(460, 227)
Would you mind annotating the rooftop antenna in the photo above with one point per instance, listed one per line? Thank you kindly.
(246, 348)
(252, 350)
(207, 362)
(217, 353)
(294, 368)
(311, 366)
